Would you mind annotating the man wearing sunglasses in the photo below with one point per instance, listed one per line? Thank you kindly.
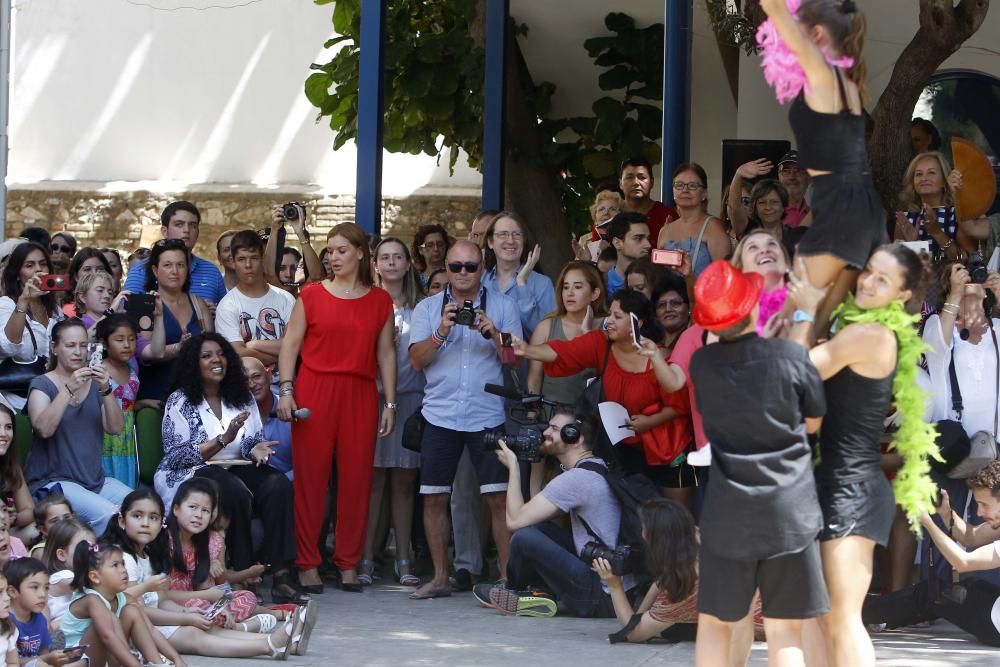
(181, 220)
(457, 361)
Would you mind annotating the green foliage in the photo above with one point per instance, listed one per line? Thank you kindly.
(587, 150)
(433, 78)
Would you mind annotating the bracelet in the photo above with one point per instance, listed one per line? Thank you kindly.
(390, 405)
(946, 309)
(802, 316)
(284, 390)
(439, 340)
(20, 310)
(106, 392)
(953, 305)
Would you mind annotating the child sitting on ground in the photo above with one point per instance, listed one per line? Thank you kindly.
(62, 539)
(28, 587)
(50, 509)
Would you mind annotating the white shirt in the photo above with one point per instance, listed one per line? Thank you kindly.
(215, 426)
(975, 368)
(243, 318)
(139, 570)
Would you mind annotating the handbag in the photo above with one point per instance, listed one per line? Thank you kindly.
(982, 444)
(413, 432)
(15, 376)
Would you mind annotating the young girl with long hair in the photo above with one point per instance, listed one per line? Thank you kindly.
(62, 539)
(102, 617)
(814, 56)
(12, 484)
(118, 335)
(192, 546)
(871, 361)
(138, 531)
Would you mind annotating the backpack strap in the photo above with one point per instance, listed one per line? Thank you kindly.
(603, 472)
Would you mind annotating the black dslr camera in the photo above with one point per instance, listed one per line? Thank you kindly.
(291, 210)
(526, 445)
(466, 315)
(978, 273)
(617, 557)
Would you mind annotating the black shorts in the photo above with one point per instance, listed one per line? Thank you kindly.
(440, 452)
(791, 586)
(848, 221)
(865, 508)
(680, 476)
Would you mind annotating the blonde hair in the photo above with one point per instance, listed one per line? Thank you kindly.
(612, 195)
(737, 259)
(909, 197)
(87, 281)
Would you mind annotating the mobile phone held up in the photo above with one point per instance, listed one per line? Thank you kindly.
(507, 349)
(674, 258)
(53, 282)
(635, 330)
(95, 355)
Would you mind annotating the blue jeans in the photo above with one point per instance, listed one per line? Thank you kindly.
(94, 508)
(544, 555)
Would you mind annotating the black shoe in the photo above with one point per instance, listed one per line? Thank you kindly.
(462, 581)
(316, 589)
(350, 588)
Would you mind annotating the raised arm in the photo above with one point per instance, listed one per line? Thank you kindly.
(810, 57)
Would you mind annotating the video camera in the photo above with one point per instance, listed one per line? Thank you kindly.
(530, 412)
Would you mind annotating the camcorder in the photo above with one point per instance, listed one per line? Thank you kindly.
(530, 411)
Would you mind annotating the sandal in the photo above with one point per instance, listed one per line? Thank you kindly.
(309, 613)
(267, 624)
(289, 626)
(405, 579)
(365, 570)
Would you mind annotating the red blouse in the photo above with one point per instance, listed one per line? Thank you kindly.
(342, 334)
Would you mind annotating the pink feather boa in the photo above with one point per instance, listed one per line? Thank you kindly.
(770, 303)
(781, 67)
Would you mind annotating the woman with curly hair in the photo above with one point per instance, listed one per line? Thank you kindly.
(211, 428)
(430, 245)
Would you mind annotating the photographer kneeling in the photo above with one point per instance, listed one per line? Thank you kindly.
(545, 555)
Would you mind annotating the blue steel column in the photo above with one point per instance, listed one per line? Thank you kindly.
(368, 202)
(676, 90)
(495, 104)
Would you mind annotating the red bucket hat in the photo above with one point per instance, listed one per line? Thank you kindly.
(724, 296)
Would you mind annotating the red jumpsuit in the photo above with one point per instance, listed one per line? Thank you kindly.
(336, 381)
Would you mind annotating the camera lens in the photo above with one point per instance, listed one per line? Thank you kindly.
(290, 211)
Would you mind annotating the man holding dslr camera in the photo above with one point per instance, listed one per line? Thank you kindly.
(544, 554)
(458, 349)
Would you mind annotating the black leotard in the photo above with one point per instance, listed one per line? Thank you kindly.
(856, 407)
(829, 141)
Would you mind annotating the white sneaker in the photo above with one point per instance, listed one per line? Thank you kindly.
(701, 458)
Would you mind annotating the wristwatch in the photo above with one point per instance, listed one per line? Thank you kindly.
(390, 406)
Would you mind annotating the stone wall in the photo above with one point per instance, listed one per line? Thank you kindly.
(128, 220)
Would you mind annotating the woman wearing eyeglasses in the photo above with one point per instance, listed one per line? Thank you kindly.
(430, 245)
(184, 315)
(701, 235)
(510, 269)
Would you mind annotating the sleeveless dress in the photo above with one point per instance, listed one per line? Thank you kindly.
(389, 450)
(567, 389)
(155, 378)
(854, 494)
(242, 604)
(694, 247)
(75, 628)
(119, 459)
(848, 219)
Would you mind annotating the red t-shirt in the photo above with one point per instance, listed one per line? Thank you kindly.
(689, 342)
(657, 216)
(342, 334)
(635, 391)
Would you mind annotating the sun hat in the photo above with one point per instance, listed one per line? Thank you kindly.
(724, 296)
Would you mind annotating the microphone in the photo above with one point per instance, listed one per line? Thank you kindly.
(301, 413)
(503, 392)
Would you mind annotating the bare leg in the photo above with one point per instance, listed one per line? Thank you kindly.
(847, 568)
(96, 651)
(437, 527)
(741, 641)
(902, 549)
(223, 644)
(829, 271)
(813, 643)
(135, 629)
(784, 642)
(497, 503)
(402, 481)
(683, 496)
(712, 646)
(374, 511)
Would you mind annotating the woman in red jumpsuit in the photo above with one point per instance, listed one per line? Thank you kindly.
(343, 327)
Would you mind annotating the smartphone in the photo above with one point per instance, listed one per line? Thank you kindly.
(54, 282)
(507, 349)
(95, 354)
(919, 247)
(217, 608)
(140, 305)
(75, 653)
(667, 257)
(635, 329)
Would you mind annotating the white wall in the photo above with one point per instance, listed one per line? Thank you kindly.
(105, 91)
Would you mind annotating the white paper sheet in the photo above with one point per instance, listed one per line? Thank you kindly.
(615, 417)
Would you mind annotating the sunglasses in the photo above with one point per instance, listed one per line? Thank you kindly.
(456, 267)
(55, 247)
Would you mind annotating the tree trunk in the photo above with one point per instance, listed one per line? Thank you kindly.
(944, 27)
(531, 187)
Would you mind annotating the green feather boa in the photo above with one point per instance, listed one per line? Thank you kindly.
(915, 439)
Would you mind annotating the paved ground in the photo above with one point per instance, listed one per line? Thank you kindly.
(381, 627)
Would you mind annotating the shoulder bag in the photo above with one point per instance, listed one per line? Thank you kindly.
(15, 376)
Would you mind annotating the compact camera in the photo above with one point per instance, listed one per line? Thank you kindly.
(617, 557)
(53, 282)
(526, 446)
